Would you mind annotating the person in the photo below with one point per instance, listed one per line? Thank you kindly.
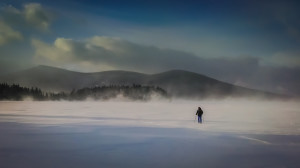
(199, 113)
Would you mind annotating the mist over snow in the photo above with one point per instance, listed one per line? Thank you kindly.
(235, 133)
(230, 115)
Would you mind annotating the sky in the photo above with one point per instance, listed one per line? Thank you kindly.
(255, 44)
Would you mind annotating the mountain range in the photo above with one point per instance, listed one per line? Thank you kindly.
(178, 83)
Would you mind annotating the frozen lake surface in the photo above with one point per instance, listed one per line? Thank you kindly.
(235, 133)
(241, 116)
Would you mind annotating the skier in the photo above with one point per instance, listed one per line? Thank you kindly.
(199, 113)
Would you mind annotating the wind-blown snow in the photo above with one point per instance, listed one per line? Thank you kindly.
(235, 133)
(232, 115)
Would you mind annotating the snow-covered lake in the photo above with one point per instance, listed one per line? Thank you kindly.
(242, 116)
(235, 133)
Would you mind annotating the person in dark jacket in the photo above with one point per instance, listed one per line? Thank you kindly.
(199, 113)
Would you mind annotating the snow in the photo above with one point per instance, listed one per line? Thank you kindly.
(231, 115)
(235, 133)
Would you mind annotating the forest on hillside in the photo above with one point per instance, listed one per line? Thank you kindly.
(106, 92)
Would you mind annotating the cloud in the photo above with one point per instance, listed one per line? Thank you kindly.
(68, 53)
(37, 16)
(17, 26)
(7, 34)
(122, 54)
(100, 53)
(32, 15)
(113, 52)
(287, 59)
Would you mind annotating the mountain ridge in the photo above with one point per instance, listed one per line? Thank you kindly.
(178, 83)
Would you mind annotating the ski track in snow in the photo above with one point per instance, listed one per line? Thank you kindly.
(255, 140)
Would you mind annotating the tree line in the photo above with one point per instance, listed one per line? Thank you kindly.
(106, 92)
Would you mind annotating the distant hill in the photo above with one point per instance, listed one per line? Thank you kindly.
(177, 83)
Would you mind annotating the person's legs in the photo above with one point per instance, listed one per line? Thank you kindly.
(199, 119)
